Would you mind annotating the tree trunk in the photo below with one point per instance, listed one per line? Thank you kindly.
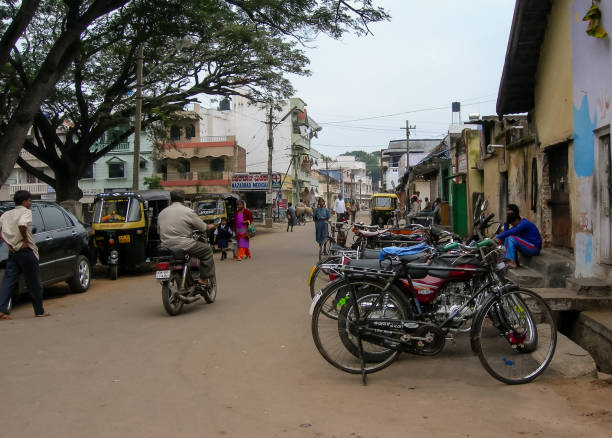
(67, 187)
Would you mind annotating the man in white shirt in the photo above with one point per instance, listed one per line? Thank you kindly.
(16, 233)
(340, 209)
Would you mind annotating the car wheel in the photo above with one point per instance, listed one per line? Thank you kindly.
(82, 275)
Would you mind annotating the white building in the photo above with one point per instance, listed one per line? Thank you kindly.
(355, 183)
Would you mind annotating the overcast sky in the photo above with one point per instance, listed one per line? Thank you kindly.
(430, 54)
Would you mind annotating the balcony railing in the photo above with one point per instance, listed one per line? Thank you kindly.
(194, 176)
(123, 146)
(33, 188)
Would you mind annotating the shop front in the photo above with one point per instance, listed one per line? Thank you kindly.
(253, 190)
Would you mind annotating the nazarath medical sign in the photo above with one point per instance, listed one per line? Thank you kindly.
(254, 181)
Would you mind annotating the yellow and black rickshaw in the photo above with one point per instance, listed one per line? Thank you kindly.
(125, 227)
(383, 209)
(213, 206)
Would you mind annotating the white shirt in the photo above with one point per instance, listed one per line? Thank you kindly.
(9, 226)
(339, 206)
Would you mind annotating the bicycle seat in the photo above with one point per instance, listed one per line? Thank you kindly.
(368, 233)
(371, 264)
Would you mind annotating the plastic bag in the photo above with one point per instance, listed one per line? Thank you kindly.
(251, 230)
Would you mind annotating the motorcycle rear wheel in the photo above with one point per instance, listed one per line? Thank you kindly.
(172, 305)
(331, 337)
(211, 290)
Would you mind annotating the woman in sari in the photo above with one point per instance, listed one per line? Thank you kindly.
(321, 216)
(242, 220)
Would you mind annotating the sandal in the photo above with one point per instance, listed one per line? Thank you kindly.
(5, 316)
(42, 315)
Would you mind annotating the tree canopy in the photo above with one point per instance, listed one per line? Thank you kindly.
(372, 164)
(218, 47)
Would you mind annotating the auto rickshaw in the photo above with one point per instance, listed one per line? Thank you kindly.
(125, 227)
(383, 208)
(213, 206)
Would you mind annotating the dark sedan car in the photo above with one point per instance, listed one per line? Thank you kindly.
(63, 246)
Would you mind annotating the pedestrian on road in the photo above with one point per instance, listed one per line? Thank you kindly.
(353, 211)
(321, 216)
(523, 237)
(242, 220)
(223, 234)
(291, 217)
(16, 232)
(340, 209)
(177, 223)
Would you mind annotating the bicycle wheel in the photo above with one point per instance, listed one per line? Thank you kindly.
(336, 339)
(320, 277)
(325, 248)
(515, 336)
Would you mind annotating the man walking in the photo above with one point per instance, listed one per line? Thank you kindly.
(16, 232)
(291, 217)
(340, 209)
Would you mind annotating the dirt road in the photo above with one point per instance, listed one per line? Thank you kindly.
(112, 363)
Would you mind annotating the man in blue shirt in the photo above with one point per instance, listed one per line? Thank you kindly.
(523, 236)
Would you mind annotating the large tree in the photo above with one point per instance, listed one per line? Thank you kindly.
(235, 47)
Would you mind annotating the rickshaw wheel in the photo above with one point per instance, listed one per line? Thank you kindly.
(113, 271)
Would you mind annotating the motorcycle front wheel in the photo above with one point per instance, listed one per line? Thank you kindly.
(170, 299)
(515, 336)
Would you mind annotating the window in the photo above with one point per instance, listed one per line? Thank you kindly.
(53, 217)
(119, 210)
(37, 222)
(175, 132)
(183, 165)
(217, 165)
(143, 163)
(116, 169)
(190, 131)
(31, 179)
(88, 173)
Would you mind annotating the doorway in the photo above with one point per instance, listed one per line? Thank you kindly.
(560, 197)
(605, 197)
(503, 195)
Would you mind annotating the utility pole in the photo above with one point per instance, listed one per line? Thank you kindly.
(408, 128)
(327, 173)
(270, 148)
(137, 120)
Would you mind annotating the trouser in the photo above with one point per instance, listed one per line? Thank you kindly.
(203, 251)
(244, 253)
(290, 225)
(22, 262)
(514, 244)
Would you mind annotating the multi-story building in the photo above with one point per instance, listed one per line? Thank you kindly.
(293, 129)
(393, 168)
(354, 183)
(195, 162)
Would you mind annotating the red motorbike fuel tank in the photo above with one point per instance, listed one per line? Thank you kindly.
(426, 289)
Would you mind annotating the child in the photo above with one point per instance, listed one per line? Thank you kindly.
(223, 235)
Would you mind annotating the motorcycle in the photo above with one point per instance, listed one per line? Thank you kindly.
(405, 305)
(178, 274)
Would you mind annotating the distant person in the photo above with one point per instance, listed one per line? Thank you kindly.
(435, 211)
(519, 235)
(242, 219)
(427, 206)
(353, 211)
(321, 216)
(415, 207)
(16, 232)
(340, 209)
(291, 217)
(223, 234)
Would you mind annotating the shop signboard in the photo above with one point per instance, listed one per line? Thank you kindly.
(254, 181)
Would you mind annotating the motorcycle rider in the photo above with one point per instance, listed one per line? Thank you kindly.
(176, 225)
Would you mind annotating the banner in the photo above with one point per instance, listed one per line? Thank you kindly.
(254, 181)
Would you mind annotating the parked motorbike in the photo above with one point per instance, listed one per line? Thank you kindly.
(405, 305)
(178, 273)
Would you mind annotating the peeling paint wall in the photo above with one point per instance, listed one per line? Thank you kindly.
(592, 86)
(553, 92)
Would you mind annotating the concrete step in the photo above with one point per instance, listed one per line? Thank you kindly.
(526, 277)
(589, 286)
(593, 331)
(563, 300)
(570, 359)
(553, 266)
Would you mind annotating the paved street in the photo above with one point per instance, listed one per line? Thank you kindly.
(112, 363)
